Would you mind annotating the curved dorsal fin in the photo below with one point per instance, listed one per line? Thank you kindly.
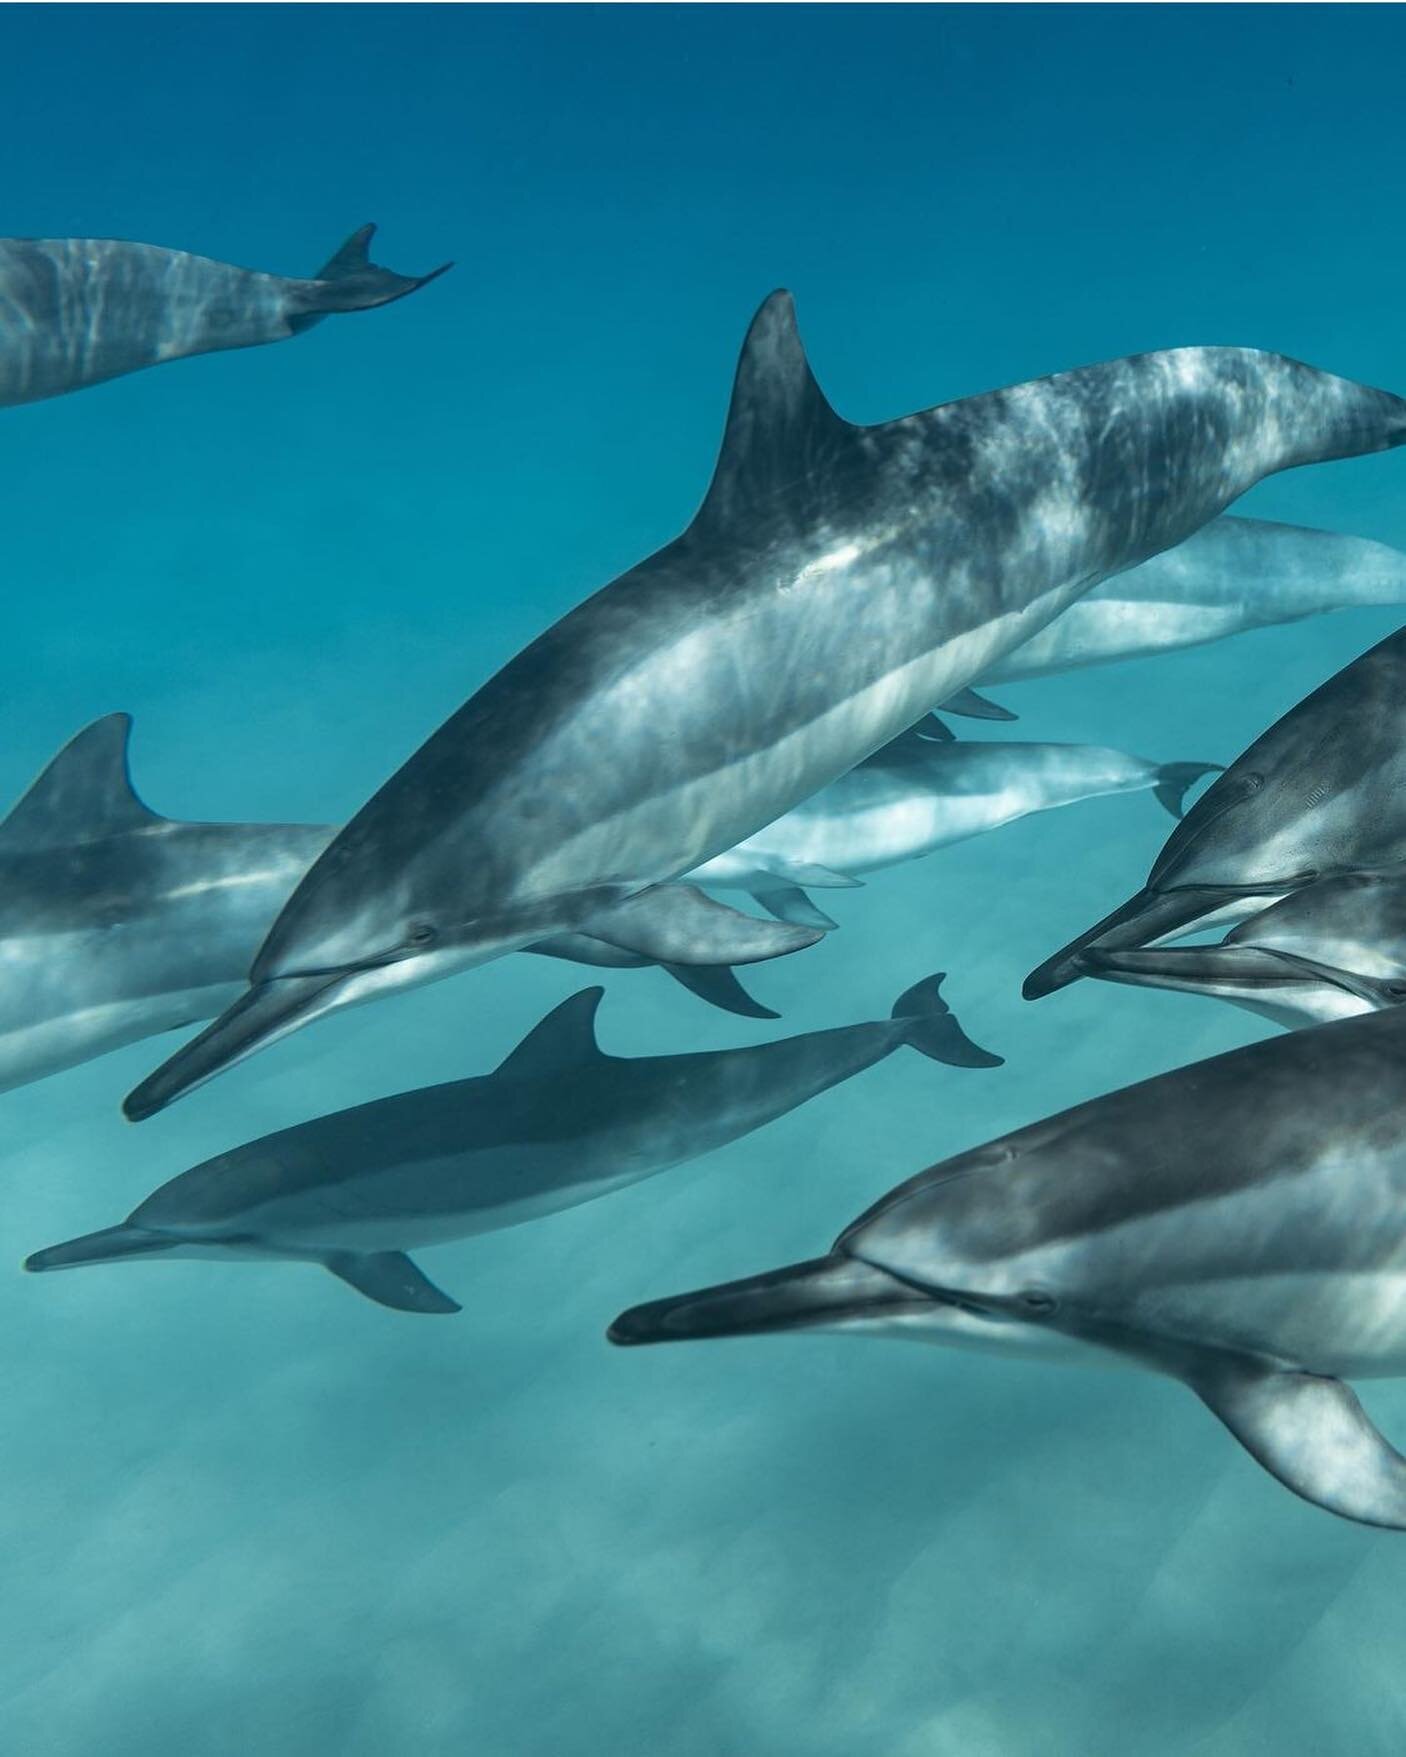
(566, 1038)
(781, 432)
(84, 795)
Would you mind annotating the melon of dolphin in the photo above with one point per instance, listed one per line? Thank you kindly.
(1234, 574)
(837, 582)
(557, 1124)
(1321, 793)
(75, 312)
(1236, 1224)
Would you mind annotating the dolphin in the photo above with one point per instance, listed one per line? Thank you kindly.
(1330, 951)
(1235, 1224)
(1232, 575)
(914, 796)
(836, 583)
(559, 1123)
(77, 311)
(1322, 792)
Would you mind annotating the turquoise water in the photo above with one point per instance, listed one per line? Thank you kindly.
(246, 1511)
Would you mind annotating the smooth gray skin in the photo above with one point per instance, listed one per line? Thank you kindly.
(837, 583)
(1233, 575)
(915, 796)
(1330, 951)
(1322, 793)
(558, 1124)
(75, 312)
(1236, 1224)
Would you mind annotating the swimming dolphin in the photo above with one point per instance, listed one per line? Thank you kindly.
(914, 796)
(1232, 575)
(116, 923)
(558, 1124)
(1322, 792)
(1330, 951)
(1236, 1224)
(837, 583)
(77, 311)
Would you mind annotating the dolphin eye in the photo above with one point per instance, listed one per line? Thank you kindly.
(1036, 1302)
(422, 933)
(1397, 990)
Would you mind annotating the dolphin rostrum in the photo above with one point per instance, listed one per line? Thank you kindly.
(1234, 574)
(916, 795)
(1321, 793)
(837, 583)
(558, 1123)
(1235, 1224)
(77, 311)
(1332, 950)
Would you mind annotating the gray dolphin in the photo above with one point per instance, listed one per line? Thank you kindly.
(915, 796)
(837, 583)
(77, 311)
(1330, 951)
(1235, 1224)
(558, 1124)
(1232, 575)
(1322, 792)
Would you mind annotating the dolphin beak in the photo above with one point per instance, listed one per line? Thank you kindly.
(828, 1292)
(266, 1012)
(100, 1247)
(1148, 916)
(1191, 969)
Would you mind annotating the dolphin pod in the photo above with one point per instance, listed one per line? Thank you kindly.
(837, 582)
(1321, 793)
(559, 1123)
(75, 312)
(917, 795)
(1235, 1224)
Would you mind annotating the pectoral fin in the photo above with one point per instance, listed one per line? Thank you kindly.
(1311, 1433)
(391, 1279)
(716, 984)
(790, 903)
(677, 924)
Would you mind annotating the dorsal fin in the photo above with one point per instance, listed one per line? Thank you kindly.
(84, 795)
(781, 432)
(566, 1038)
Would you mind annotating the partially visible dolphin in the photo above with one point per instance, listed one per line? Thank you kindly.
(558, 1124)
(75, 312)
(1234, 574)
(1330, 951)
(915, 796)
(1236, 1224)
(837, 583)
(1321, 793)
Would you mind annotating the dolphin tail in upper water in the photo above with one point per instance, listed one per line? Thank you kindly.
(1147, 916)
(933, 1029)
(1174, 780)
(825, 1293)
(99, 1247)
(350, 281)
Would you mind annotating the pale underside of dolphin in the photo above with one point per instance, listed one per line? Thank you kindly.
(837, 583)
(75, 312)
(1233, 575)
(1335, 949)
(1322, 793)
(915, 796)
(558, 1124)
(1236, 1224)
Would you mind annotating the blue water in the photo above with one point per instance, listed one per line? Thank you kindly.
(244, 1510)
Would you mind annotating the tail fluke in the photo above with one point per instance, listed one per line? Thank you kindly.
(99, 1247)
(350, 281)
(824, 1293)
(933, 1029)
(1175, 779)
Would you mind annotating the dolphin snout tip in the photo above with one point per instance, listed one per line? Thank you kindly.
(1054, 974)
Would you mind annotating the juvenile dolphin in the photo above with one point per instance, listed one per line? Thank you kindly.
(1323, 792)
(1236, 1224)
(77, 311)
(837, 583)
(1232, 575)
(914, 796)
(558, 1123)
(1330, 951)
